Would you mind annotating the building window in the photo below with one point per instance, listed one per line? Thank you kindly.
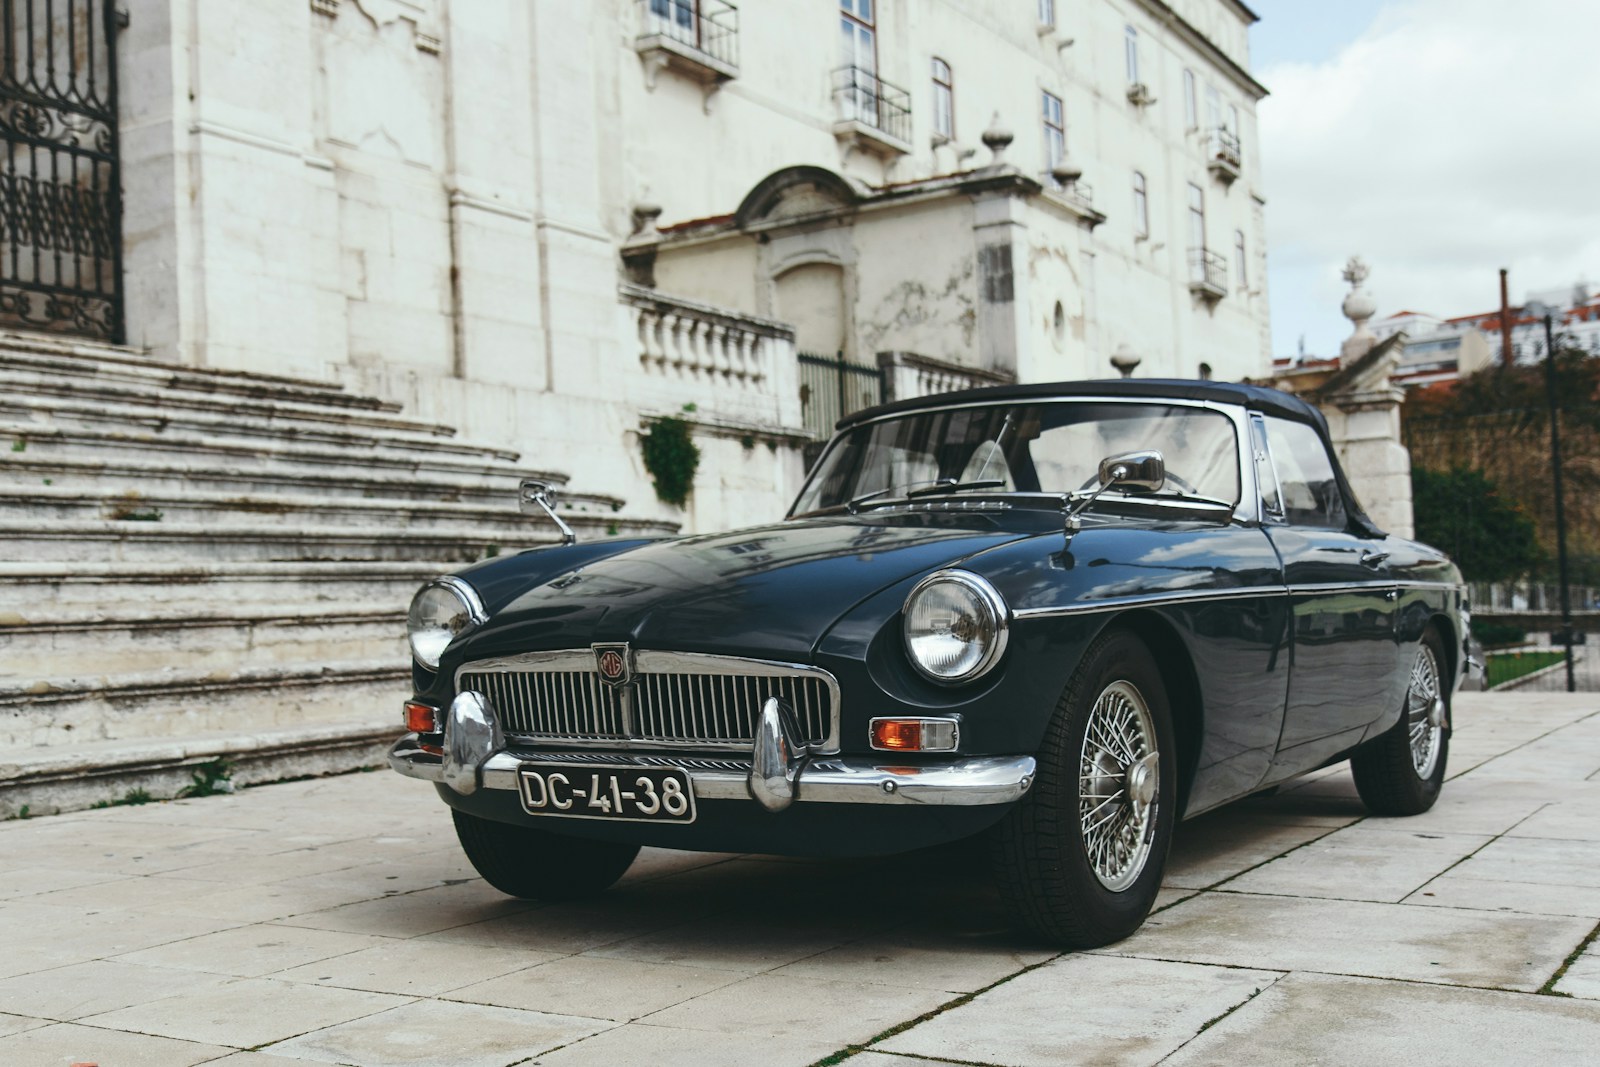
(944, 100)
(1238, 251)
(1055, 131)
(1197, 216)
(1191, 101)
(1047, 12)
(1131, 43)
(1232, 125)
(858, 35)
(1213, 107)
(1141, 206)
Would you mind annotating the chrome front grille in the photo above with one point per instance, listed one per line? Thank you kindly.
(674, 700)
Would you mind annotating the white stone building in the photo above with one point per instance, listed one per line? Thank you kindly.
(432, 201)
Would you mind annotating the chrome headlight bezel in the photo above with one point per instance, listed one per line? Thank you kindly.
(428, 638)
(992, 625)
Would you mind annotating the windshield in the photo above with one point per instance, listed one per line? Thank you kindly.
(1052, 447)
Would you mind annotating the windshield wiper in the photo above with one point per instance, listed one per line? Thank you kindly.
(950, 485)
(943, 485)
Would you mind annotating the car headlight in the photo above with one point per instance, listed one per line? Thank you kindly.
(440, 610)
(956, 626)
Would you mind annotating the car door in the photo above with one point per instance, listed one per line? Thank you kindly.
(1342, 600)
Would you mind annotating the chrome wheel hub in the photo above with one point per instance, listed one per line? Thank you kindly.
(1425, 713)
(1118, 785)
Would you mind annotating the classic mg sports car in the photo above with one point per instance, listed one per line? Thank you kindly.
(1065, 616)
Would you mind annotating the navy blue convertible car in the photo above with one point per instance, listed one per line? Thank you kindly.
(1063, 616)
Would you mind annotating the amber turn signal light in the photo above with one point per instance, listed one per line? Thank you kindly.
(422, 718)
(914, 735)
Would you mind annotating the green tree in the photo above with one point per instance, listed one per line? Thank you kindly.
(1460, 511)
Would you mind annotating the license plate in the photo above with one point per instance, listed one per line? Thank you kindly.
(622, 794)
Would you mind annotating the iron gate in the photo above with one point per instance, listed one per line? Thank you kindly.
(60, 191)
(831, 388)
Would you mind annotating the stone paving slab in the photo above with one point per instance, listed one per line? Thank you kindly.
(336, 921)
(1323, 1019)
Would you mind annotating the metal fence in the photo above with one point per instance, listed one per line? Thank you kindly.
(831, 388)
(60, 191)
(1511, 449)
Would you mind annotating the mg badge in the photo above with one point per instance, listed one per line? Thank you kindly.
(615, 664)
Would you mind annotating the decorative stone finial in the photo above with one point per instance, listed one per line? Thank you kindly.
(644, 220)
(1124, 360)
(1066, 171)
(1358, 308)
(997, 139)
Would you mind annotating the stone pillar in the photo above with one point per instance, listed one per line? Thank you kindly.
(1362, 405)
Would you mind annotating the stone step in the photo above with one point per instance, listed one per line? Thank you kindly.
(130, 587)
(501, 522)
(451, 462)
(46, 781)
(40, 642)
(93, 355)
(71, 403)
(134, 541)
(177, 702)
(22, 369)
(121, 478)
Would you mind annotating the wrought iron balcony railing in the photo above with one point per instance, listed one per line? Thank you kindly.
(706, 31)
(1208, 274)
(1223, 155)
(865, 98)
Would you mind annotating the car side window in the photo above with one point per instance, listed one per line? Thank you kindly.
(1308, 490)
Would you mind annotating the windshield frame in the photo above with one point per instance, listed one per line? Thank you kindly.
(1246, 510)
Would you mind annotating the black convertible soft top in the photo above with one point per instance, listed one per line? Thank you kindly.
(1255, 397)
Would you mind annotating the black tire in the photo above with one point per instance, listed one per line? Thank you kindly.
(522, 861)
(1386, 769)
(1042, 862)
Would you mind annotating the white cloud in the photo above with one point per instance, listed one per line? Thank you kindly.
(1453, 138)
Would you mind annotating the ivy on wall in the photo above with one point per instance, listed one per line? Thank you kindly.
(671, 458)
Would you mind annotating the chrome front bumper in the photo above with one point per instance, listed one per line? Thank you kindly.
(780, 772)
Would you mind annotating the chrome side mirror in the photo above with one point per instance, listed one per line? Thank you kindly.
(534, 496)
(1144, 470)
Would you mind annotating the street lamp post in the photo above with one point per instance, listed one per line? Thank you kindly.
(1566, 635)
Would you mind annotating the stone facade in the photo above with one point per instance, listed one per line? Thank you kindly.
(487, 211)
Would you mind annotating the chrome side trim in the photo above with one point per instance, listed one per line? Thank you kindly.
(975, 780)
(1140, 599)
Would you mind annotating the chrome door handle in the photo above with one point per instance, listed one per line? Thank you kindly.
(1372, 559)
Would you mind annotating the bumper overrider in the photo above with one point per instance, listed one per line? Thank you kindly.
(782, 771)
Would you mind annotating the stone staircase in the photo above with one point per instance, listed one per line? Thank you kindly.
(211, 565)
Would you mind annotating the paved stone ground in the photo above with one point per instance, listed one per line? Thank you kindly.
(335, 921)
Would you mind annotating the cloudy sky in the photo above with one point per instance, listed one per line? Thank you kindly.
(1439, 139)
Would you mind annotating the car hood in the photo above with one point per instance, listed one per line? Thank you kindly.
(760, 592)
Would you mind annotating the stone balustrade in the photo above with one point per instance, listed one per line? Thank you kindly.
(907, 374)
(720, 358)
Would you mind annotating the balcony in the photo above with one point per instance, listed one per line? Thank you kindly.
(698, 39)
(1208, 275)
(1077, 196)
(1223, 158)
(873, 115)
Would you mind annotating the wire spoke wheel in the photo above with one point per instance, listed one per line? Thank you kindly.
(1118, 785)
(1424, 712)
